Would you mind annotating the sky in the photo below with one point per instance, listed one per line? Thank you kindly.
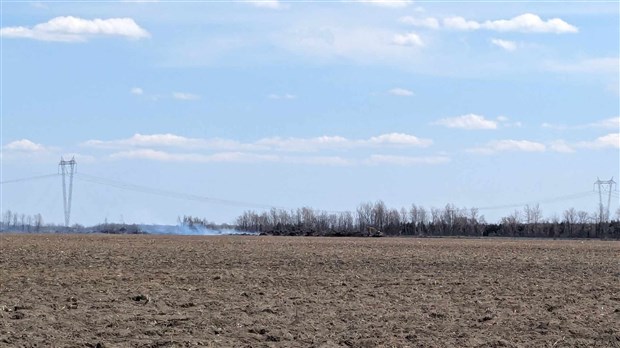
(211, 108)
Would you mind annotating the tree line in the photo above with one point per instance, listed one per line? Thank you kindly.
(16, 222)
(12, 221)
(374, 219)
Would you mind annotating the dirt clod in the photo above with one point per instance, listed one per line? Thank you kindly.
(306, 292)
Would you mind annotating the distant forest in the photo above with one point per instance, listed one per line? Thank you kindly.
(371, 220)
(16, 222)
(376, 219)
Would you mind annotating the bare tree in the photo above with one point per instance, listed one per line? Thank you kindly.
(28, 223)
(414, 217)
(404, 220)
(528, 214)
(447, 221)
(378, 217)
(364, 215)
(583, 217)
(555, 226)
(511, 223)
(474, 221)
(6, 220)
(38, 222)
(570, 218)
(533, 216)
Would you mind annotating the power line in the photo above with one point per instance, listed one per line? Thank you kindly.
(192, 197)
(549, 200)
(184, 196)
(28, 179)
(171, 194)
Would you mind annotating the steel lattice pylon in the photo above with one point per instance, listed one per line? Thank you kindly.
(604, 186)
(67, 168)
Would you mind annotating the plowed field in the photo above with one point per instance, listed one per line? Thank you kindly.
(174, 291)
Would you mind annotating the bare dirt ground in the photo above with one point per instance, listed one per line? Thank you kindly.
(173, 291)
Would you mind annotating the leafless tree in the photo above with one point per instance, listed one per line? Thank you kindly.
(533, 216)
(364, 215)
(447, 221)
(6, 220)
(570, 218)
(38, 222)
(511, 223)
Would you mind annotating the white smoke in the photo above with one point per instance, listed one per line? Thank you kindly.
(187, 230)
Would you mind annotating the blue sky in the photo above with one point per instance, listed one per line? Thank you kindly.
(321, 104)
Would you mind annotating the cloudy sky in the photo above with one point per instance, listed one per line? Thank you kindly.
(322, 104)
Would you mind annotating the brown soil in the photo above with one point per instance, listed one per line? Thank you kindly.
(171, 291)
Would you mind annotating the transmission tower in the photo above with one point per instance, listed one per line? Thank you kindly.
(604, 186)
(67, 168)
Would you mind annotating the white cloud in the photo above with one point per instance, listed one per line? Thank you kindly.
(244, 157)
(39, 5)
(164, 156)
(24, 145)
(609, 123)
(509, 145)
(469, 121)
(525, 23)
(605, 65)
(429, 22)
(553, 126)
(174, 95)
(264, 144)
(137, 91)
(271, 4)
(409, 39)
(400, 92)
(561, 146)
(26, 149)
(241, 157)
(530, 23)
(460, 23)
(170, 140)
(611, 140)
(22, 149)
(304, 144)
(405, 160)
(285, 96)
(338, 142)
(505, 44)
(319, 160)
(74, 29)
(359, 45)
(185, 96)
(162, 140)
(387, 3)
(144, 140)
(400, 139)
(505, 122)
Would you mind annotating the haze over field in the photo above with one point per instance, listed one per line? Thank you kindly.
(320, 104)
